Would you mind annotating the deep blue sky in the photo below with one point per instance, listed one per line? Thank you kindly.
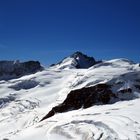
(48, 30)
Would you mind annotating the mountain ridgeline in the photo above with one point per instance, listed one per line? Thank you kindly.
(15, 69)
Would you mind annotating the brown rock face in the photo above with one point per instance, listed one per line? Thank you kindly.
(85, 97)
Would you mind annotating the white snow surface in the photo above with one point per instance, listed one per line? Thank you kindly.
(26, 100)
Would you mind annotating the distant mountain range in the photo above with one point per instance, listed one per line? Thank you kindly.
(78, 98)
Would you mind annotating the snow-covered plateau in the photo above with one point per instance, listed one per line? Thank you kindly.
(77, 99)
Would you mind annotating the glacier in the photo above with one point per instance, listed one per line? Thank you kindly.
(25, 100)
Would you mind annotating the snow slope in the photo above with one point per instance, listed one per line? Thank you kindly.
(25, 101)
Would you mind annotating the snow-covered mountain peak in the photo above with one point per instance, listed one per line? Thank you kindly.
(76, 60)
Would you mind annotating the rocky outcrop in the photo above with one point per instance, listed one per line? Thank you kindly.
(85, 97)
(13, 69)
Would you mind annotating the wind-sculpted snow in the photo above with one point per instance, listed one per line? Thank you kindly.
(118, 121)
(26, 100)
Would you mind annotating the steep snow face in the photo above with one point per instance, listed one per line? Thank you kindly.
(15, 69)
(76, 60)
(25, 101)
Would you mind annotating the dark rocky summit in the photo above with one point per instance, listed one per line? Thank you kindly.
(85, 97)
(83, 61)
(14, 69)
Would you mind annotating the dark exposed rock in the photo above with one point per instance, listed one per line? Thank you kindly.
(83, 61)
(128, 90)
(85, 97)
(14, 69)
(137, 86)
(52, 65)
